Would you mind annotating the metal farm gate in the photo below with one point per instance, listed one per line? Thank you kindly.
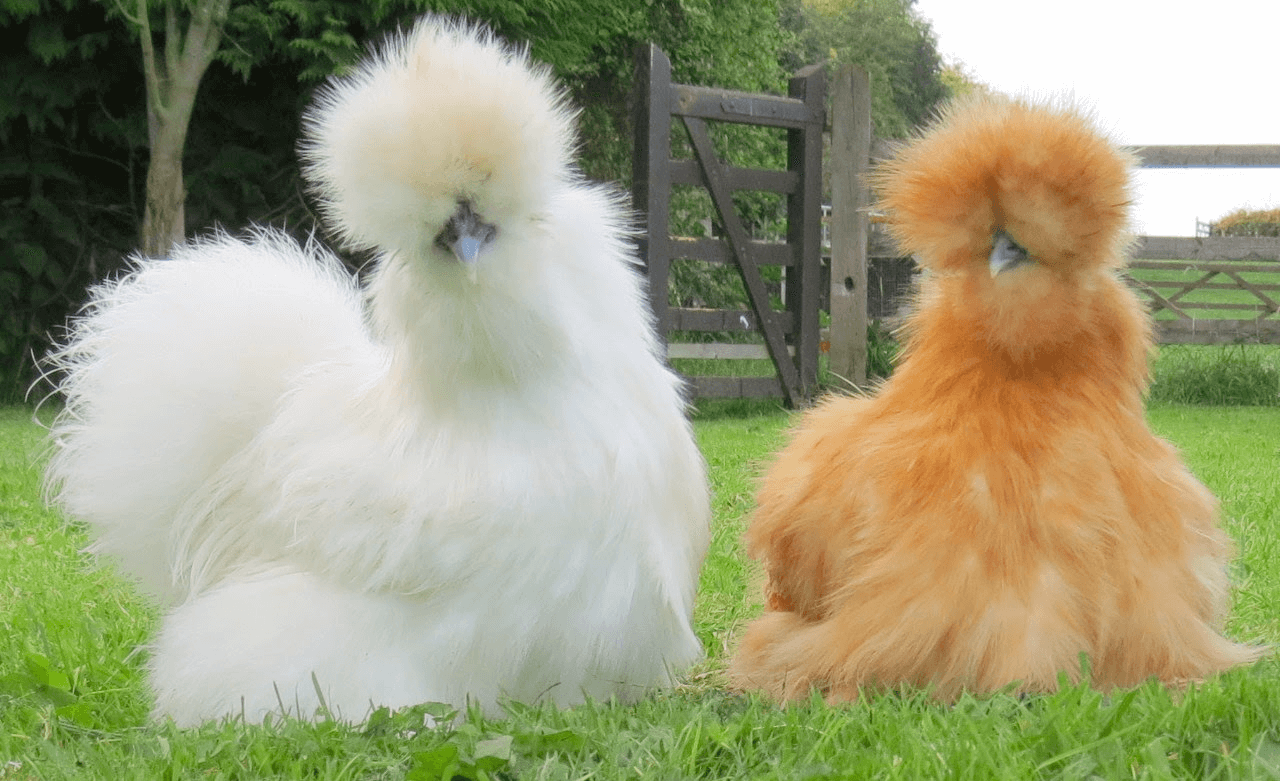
(790, 335)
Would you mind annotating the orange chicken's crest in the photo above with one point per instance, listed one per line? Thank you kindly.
(1041, 174)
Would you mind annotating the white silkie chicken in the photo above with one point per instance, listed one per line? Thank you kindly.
(475, 481)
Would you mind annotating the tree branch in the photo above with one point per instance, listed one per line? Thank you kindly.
(204, 33)
(173, 43)
(150, 73)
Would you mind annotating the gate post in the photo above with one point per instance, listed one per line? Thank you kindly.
(651, 176)
(804, 222)
(850, 158)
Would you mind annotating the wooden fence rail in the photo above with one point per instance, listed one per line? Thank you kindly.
(1207, 248)
(1209, 156)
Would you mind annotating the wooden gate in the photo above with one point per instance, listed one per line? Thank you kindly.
(791, 334)
(1218, 290)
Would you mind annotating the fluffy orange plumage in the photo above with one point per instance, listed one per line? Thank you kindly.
(999, 506)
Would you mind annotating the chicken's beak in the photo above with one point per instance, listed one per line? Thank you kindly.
(1006, 254)
(466, 235)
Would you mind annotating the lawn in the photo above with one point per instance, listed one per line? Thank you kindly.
(73, 704)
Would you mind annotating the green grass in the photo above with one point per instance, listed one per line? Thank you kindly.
(73, 703)
(724, 367)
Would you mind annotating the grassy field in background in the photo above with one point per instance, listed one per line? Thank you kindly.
(73, 703)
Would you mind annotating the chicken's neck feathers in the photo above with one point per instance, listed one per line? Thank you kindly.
(1098, 360)
(452, 342)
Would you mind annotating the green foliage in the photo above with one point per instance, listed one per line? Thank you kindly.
(1249, 222)
(959, 81)
(66, 152)
(887, 38)
(321, 37)
(733, 44)
(1230, 375)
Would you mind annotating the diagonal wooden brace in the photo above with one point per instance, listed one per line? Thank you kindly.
(740, 243)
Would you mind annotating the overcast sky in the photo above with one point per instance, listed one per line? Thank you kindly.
(1153, 71)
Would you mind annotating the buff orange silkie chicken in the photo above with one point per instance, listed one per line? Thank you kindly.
(999, 507)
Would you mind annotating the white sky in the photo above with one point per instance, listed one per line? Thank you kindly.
(1153, 71)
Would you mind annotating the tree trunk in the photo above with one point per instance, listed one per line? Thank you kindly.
(172, 82)
(163, 221)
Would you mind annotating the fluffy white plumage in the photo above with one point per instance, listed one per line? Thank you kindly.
(470, 480)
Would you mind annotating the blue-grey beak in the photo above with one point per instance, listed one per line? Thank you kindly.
(1006, 254)
(465, 234)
